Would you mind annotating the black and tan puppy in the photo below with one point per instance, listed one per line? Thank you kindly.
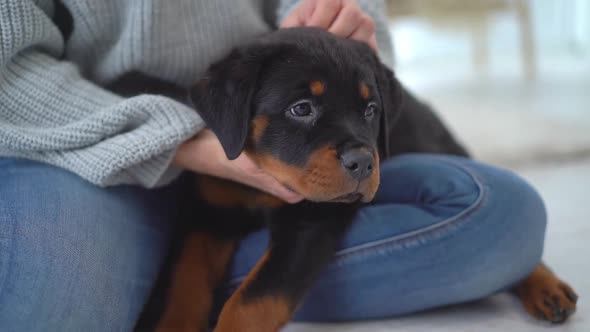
(318, 113)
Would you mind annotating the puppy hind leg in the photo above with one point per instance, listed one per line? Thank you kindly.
(546, 297)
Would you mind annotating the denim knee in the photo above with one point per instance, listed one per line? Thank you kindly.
(514, 200)
(510, 220)
(493, 238)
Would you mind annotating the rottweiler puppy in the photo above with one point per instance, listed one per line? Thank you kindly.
(318, 113)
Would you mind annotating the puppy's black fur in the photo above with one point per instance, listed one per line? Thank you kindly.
(318, 113)
(256, 100)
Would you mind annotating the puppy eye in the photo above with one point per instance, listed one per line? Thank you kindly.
(370, 110)
(301, 109)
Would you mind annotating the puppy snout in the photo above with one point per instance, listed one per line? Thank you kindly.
(358, 163)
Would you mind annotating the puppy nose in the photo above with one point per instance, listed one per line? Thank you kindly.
(358, 163)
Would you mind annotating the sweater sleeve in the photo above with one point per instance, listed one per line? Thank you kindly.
(374, 8)
(50, 113)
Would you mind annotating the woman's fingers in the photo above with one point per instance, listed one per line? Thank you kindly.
(247, 172)
(373, 42)
(324, 14)
(300, 15)
(274, 188)
(343, 18)
(365, 32)
(347, 22)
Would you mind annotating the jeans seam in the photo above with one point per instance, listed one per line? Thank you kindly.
(399, 240)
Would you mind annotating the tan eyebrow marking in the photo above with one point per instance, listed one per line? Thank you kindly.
(317, 88)
(364, 90)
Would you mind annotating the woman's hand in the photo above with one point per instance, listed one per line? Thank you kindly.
(340, 17)
(204, 154)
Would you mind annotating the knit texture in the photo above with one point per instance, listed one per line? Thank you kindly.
(54, 104)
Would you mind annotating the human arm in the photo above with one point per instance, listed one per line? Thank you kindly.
(50, 113)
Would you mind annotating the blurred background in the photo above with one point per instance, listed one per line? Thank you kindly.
(511, 76)
(512, 79)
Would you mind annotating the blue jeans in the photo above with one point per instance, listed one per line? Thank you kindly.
(442, 230)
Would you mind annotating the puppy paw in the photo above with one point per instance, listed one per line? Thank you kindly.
(546, 297)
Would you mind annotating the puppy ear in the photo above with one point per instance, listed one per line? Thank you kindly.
(392, 98)
(224, 97)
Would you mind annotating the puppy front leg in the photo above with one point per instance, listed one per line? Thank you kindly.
(303, 241)
(198, 270)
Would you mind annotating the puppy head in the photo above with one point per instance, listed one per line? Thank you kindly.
(310, 108)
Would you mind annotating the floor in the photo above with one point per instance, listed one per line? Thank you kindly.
(541, 130)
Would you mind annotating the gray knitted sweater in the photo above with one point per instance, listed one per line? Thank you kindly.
(55, 106)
